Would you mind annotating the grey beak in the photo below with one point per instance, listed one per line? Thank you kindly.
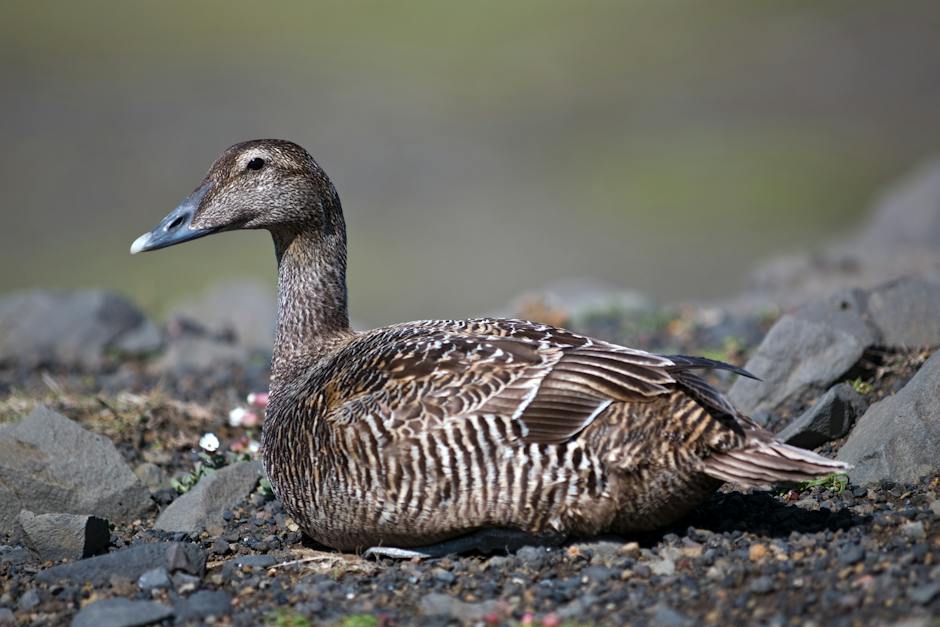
(176, 227)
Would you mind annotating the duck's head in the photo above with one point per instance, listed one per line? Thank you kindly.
(262, 184)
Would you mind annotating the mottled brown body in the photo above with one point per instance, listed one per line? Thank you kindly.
(404, 449)
(418, 432)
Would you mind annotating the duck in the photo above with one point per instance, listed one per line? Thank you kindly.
(435, 436)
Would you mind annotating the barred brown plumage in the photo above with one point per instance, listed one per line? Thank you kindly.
(419, 432)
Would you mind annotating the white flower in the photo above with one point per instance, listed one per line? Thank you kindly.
(253, 446)
(209, 443)
(236, 416)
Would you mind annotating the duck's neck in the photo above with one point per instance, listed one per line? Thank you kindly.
(312, 313)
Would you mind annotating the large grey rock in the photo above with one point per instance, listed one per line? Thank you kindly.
(898, 438)
(121, 613)
(243, 307)
(805, 352)
(808, 350)
(829, 419)
(202, 507)
(63, 536)
(50, 464)
(906, 312)
(71, 329)
(130, 563)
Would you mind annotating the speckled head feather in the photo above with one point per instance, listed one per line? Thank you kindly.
(267, 184)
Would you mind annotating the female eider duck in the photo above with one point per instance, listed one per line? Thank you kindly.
(446, 435)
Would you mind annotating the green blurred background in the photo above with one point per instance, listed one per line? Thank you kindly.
(480, 149)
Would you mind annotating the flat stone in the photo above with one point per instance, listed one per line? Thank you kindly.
(829, 419)
(121, 613)
(202, 507)
(63, 536)
(76, 329)
(130, 563)
(154, 578)
(59, 467)
(201, 605)
(898, 438)
(438, 604)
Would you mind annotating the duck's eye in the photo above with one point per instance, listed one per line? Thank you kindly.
(256, 164)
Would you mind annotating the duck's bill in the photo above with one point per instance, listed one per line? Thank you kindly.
(176, 227)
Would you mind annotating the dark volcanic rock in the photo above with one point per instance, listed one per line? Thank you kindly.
(49, 463)
(815, 346)
(62, 536)
(898, 438)
(830, 418)
(71, 329)
(806, 350)
(130, 563)
(121, 613)
(906, 312)
(202, 506)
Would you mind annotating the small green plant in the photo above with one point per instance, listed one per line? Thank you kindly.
(862, 387)
(265, 489)
(207, 464)
(359, 620)
(286, 617)
(835, 482)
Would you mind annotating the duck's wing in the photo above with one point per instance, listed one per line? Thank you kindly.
(551, 383)
(548, 383)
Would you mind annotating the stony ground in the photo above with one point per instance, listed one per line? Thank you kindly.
(833, 553)
(129, 494)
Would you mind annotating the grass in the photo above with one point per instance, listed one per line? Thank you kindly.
(285, 617)
(833, 482)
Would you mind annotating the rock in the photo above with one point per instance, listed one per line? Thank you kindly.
(152, 476)
(829, 419)
(154, 578)
(905, 312)
(201, 605)
(924, 594)
(71, 329)
(130, 563)
(6, 616)
(666, 616)
(914, 530)
(663, 567)
(808, 350)
(437, 604)
(853, 554)
(805, 351)
(244, 308)
(121, 613)
(59, 467)
(762, 585)
(28, 600)
(202, 506)
(898, 438)
(62, 536)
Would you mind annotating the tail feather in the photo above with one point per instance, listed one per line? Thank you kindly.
(763, 463)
